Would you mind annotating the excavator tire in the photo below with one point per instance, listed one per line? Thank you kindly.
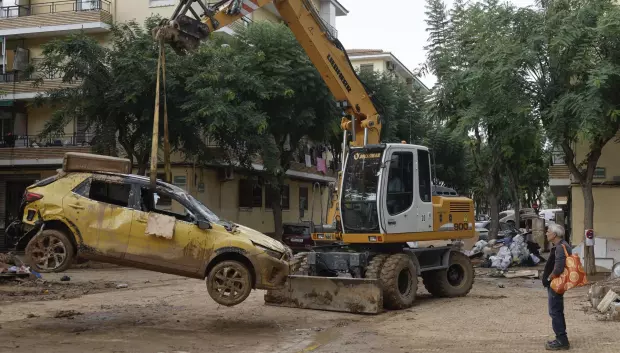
(299, 265)
(373, 270)
(455, 281)
(399, 280)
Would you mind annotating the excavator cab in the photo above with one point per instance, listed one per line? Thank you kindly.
(386, 189)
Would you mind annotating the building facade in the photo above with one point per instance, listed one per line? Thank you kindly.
(606, 192)
(381, 61)
(25, 156)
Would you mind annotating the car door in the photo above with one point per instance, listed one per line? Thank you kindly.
(188, 248)
(99, 207)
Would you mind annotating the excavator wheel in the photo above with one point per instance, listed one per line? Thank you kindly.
(399, 280)
(373, 270)
(299, 265)
(455, 281)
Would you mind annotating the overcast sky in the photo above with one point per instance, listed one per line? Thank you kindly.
(397, 26)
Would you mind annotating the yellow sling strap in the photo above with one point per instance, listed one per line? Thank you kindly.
(161, 70)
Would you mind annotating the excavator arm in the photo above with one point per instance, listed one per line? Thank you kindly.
(360, 118)
(193, 21)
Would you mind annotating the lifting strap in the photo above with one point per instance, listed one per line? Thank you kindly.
(161, 70)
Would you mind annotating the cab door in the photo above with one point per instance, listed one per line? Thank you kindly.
(189, 247)
(424, 197)
(397, 203)
(99, 207)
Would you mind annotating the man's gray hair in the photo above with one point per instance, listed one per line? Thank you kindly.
(557, 229)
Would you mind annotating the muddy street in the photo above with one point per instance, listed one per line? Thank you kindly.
(96, 312)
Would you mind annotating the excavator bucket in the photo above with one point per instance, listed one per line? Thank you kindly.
(183, 34)
(353, 295)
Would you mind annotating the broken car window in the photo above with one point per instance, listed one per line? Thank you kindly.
(111, 193)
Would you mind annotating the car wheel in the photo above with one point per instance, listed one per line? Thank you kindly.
(229, 283)
(50, 251)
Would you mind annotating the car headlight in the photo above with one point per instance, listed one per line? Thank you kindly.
(269, 252)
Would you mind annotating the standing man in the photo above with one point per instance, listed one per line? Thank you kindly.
(553, 269)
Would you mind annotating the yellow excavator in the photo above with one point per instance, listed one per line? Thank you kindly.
(383, 204)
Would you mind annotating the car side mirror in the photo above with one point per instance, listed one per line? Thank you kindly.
(204, 225)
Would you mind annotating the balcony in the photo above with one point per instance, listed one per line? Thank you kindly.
(17, 85)
(559, 175)
(55, 18)
(32, 150)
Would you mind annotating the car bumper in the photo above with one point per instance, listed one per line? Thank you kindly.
(271, 273)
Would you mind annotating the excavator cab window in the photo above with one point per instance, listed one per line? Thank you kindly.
(400, 183)
(359, 191)
(424, 175)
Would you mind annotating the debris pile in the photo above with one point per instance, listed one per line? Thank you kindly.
(504, 253)
(11, 266)
(605, 298)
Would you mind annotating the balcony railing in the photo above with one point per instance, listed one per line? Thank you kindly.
(54, 7)
(36, 141)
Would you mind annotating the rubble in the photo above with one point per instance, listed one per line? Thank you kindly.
(605, 299)
(504, 253)
(610, 298)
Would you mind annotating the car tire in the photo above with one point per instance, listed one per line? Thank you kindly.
(51, 245)
(229, 283)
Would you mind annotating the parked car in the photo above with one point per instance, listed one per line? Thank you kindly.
(508, 216)
(119, 218)
(297, 236)
(505, 229)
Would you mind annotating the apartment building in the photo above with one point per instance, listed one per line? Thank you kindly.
(381, 61)
(25, 156)
(606, 192)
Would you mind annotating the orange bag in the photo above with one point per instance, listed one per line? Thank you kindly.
(573, 275)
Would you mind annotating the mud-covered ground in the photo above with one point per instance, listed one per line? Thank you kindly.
(163, 313)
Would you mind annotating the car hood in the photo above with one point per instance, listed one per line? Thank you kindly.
(262, 239)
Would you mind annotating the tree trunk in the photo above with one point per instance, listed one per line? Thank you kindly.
(143, 163)
(276, 207)
(494, 203)
(588, 223)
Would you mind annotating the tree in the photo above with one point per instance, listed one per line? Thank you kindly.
(480, 90)
(401, 106)
(574, 66)
(450, 158)
(113, 90)
(259, 94)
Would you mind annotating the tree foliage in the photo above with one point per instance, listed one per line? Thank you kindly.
(113, 90)
(259, 94)
(475, 52)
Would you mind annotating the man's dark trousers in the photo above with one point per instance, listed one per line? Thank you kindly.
(556, 311)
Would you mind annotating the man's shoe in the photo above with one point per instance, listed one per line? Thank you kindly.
(557, 346)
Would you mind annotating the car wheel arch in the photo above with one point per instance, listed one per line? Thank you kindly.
(232, 256)
(67, 228)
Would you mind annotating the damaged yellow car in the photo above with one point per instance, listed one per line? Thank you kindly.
(93, 208)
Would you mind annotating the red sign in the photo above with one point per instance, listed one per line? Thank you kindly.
(590, 234)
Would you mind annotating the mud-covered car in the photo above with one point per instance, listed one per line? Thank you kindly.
(119, 218)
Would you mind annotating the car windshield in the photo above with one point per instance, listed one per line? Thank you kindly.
(204, 210)
(199, 206)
